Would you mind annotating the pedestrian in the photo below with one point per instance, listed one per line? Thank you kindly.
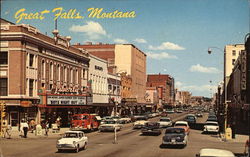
(8, 131)
(32, 125)
(4, 128)
(58, 122)
(246, 150)
(46, 128)
(24, 127)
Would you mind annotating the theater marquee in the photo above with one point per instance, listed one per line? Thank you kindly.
(66, 100)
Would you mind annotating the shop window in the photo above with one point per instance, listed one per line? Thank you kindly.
(31, 87)
(3, 86)
(3, 58)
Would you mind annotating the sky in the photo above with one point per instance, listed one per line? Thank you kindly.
(175, 34)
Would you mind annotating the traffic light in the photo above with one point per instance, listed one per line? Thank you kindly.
(3, 108)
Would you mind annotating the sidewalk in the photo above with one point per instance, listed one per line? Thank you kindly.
(15, 134)
(238, 138)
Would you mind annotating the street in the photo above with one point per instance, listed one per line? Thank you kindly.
(130, 144)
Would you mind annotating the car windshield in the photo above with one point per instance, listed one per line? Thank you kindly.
(109, 122)
(81, 117)
(165, 120)
(151, 124)
(180, 124)
(190, 117)
(70, 135)
(213, 124)
(174, 131)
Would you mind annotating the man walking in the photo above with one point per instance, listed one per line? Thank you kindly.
(24, 127)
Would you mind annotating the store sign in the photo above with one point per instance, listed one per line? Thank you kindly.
(66, 100)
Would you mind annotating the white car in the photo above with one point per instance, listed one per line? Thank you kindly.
(139, 124)
(110, 125)
(210, 152)
(72, 140)
(125, 120)
(165, 122)
(211, 127)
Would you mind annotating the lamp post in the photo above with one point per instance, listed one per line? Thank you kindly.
(116, 104)
(225, 85)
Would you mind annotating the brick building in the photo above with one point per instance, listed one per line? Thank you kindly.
(165, 86)
(35, 67)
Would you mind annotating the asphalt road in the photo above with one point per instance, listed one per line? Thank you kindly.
(130, 144)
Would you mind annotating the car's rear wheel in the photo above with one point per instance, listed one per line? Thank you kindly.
(59, 150)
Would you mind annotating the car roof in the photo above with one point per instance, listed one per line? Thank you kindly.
(165, 118)
(211, 152)
(181, 122)
(74, 132)
(212, 122)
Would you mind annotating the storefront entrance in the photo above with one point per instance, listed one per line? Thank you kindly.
(14, 118)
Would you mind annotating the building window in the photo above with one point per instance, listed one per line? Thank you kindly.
(51, 71)
(43, 69)
(31, 64)
(58, 72)
(234, 53)
(31, 87)
(233, 61)
(65, 74)
(43, 85)
(76, 77)
(3, 86)
(71, 75)
(3, 58)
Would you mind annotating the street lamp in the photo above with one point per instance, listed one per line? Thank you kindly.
(225, 86)
(116, 103)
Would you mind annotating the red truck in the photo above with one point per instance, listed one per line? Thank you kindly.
(85, 122)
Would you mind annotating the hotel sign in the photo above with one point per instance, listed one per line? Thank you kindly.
(66, 100)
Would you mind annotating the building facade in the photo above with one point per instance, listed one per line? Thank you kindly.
(165, 86)
(123, 58)
(41, 77)
(183, 98)
(231, 54)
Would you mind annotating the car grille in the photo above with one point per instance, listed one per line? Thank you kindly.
(66, 145)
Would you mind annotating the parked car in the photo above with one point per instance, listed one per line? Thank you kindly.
(190, 118)
(165, 122)
(199, 114)
(179, 111)
(211, 127)
(211, 152)
(125, 120)
(151, 128)
(139, 124)
(212, 118)
(139, 117)
(182, 124)
(175, 136)
(170, 111)
(164, 114)
(72, 140)
(82, 122)
(110, 125)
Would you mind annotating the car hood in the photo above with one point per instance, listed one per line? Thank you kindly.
(142, 122)
(67, 140)
(166, 123)
(211, 126)
(109, 125)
